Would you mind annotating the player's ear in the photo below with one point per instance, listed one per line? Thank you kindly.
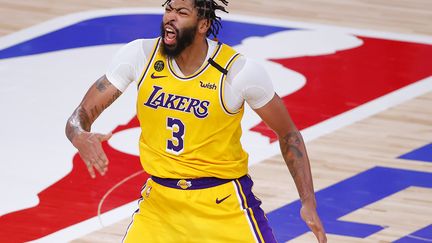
(204, 25)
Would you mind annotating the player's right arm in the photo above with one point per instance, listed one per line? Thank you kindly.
(78, 127)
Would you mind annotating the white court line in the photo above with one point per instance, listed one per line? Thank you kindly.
(88, 226)
(419, 238)
(122, 182)
(370, 108)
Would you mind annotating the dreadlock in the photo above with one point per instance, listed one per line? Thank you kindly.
(207, 10)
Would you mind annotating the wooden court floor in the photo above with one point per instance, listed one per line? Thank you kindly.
(375, 141)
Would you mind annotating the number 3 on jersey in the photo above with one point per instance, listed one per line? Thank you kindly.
(175, 145)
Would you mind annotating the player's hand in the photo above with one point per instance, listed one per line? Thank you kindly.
(310, 216)
(90, 149)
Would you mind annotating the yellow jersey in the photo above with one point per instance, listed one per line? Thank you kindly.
(186, 129)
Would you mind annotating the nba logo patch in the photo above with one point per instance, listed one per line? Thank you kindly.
(159, 66)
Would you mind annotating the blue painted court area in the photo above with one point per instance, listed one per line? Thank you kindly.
(345, 197)
(421, 154)
(421, 236)
(121, 29)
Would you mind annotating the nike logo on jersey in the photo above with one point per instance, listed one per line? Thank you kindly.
(153, 76)
(223, 199)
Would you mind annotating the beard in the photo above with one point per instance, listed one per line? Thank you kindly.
(184, 38)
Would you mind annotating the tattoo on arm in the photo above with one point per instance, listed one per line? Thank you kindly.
(102, 84)
(97, 110)
(294, 154)
(82, 119)
(79, 121)
(113, 98)
(291, 143)
(290, 151)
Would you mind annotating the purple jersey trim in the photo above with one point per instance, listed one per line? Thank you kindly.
(254, 210)
(199, 183)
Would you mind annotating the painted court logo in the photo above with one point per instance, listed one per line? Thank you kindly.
(304, 73)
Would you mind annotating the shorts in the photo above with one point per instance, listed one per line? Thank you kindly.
(199, 210)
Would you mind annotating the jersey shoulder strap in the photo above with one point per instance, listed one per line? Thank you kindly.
(224, 59)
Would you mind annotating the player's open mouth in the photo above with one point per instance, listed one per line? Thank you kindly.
(170, 35)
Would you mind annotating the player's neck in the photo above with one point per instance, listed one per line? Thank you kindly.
(192, 58)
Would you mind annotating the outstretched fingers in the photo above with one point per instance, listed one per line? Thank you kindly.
(94, 155)
(90, 168)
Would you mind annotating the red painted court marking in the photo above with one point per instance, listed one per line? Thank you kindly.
(76, 197)
(347, 79)
(111, 190)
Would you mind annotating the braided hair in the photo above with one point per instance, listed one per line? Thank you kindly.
(207, 10)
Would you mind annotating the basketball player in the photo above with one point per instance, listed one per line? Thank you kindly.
(191, 92)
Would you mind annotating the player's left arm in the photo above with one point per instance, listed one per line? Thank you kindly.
(250, 81)
(293, 149)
